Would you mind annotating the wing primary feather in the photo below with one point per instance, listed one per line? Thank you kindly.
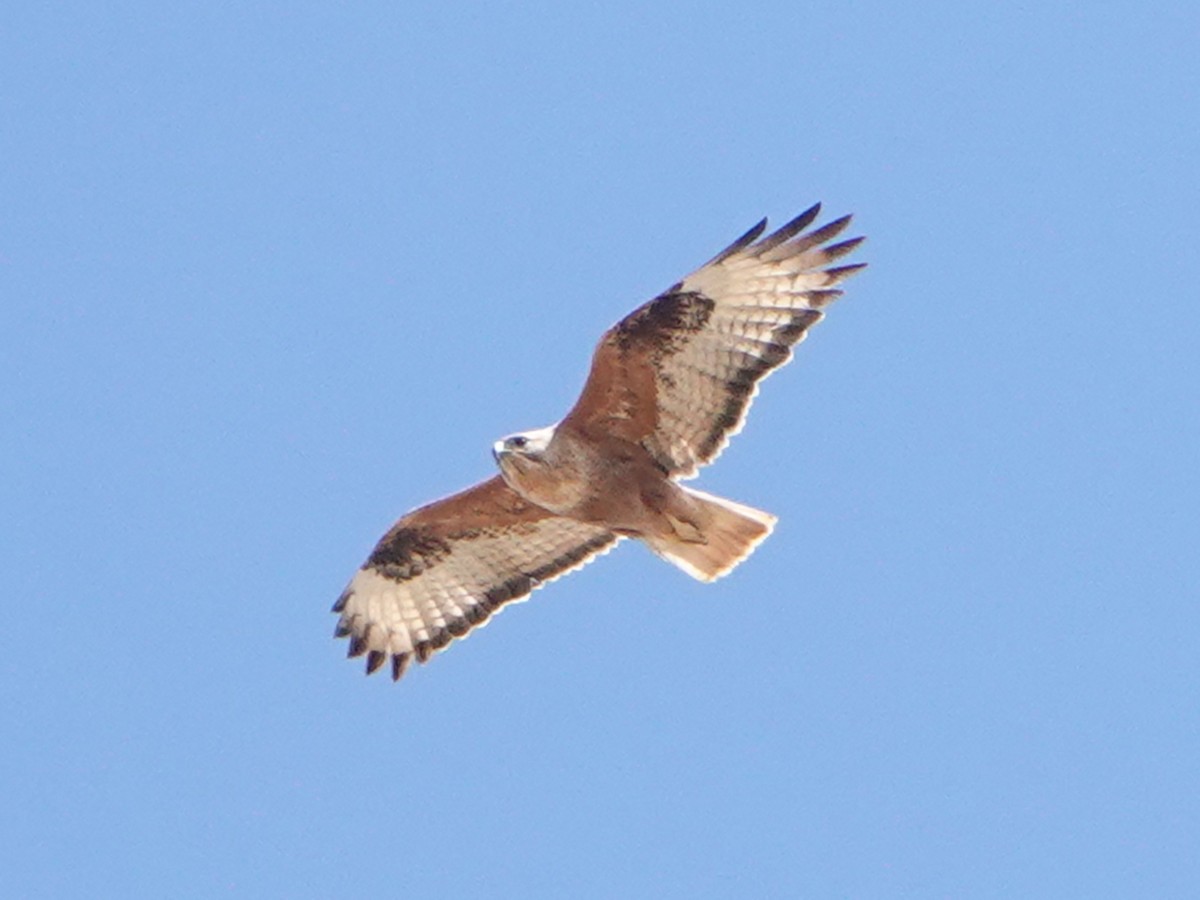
(835, 251)
(741, 243)
(791, 229)
(423, 651)
(820, 236)
(375, 659)
(399, 664)
(841, 273)
(819, 299)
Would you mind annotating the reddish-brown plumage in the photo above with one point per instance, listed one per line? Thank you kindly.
(669, 385)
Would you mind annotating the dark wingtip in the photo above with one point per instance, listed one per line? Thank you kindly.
(340, 603)
(743, 242)
(840, 249)
(358, 646)
(837, 226)
(399, 664)
(752, 234)
(375, 659)
(841, 273)
(791, 229)
(341, 629)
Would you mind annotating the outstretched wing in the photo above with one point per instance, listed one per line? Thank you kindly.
(445, 568)
(678, 374)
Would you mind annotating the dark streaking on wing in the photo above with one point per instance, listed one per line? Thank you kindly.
(668, 386)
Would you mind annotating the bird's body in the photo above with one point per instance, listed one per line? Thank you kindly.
(613, 482)
(607, 482)
(669, 384)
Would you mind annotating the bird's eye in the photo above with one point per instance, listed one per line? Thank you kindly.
(518, 442)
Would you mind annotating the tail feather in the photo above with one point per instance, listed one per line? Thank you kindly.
(722, 535)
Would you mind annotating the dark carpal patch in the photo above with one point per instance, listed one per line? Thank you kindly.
(665, 320)
(407, 552)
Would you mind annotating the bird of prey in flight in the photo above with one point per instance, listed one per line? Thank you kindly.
(669, 385)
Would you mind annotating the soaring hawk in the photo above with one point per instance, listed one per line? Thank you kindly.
(669, 385)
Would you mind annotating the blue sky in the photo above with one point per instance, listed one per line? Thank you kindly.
(273, 275)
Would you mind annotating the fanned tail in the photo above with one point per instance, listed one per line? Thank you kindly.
(725, 533)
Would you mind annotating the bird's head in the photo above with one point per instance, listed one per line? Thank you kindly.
(523, 450)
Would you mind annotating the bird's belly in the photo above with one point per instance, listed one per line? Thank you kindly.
(601, 495)
(618, 498)
(557, 490)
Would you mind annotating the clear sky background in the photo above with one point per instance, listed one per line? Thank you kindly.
(271, 275)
